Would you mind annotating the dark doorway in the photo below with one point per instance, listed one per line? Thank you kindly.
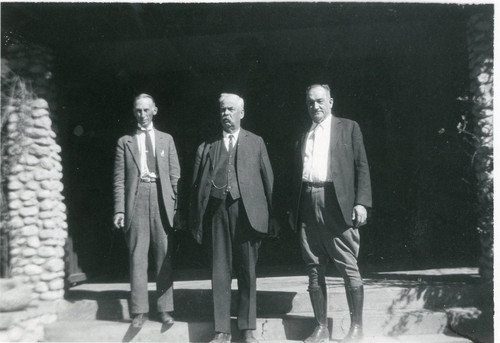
(397, 69)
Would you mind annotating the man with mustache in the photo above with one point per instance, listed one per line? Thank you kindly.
(230, 211)
(331, 194)
(145, 188)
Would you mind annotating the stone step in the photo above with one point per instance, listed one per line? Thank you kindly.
(276, 296)
(272, 330)
(397, 307)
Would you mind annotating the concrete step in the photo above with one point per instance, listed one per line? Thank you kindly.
(272, 330)
(398, 306)
(276, 296)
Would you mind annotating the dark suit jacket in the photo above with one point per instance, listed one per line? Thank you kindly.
(349, 166)
(127, 174)
(255, 180)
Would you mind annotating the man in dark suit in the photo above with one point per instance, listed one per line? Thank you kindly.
(331, 194)
(230, 207)
(145, 189)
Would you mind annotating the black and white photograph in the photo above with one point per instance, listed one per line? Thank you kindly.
(263, 171)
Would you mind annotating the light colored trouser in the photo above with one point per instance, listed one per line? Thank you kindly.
(147, 228)
(324, 235)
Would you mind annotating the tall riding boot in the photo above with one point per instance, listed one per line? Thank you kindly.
(325, 296)
(318, 301)
(355, 297)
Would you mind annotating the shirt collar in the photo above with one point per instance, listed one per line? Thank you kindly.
(235, 134)
(148, 128)
(324, 124)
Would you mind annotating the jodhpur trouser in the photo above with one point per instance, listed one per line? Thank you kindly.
(324, 235)
(148, 229)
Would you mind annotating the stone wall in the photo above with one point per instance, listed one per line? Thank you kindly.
(36, 213)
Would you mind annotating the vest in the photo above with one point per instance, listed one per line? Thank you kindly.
(224, 179)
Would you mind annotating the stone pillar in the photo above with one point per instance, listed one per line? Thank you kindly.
(36, 214)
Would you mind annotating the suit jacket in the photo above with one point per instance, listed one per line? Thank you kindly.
(349, 167)
(255, 180)
(127, 174)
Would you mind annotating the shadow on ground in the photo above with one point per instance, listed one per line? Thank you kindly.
(436, 292)
(188, 303)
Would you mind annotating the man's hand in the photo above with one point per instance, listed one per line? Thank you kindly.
(119, 220)
(359, 215)
(274, 228)
(179, 221)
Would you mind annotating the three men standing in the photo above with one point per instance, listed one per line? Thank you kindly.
(332, 191)
(230, 209)
(145, 188)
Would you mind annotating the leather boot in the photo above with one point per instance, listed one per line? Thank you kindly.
(355, 298)
(325, 296)
(318, 301)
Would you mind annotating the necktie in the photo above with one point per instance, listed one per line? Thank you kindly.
(150, 157)
(231, 143)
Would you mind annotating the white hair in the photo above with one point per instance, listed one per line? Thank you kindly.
(144, 96)
(239, 99)
(324, 86)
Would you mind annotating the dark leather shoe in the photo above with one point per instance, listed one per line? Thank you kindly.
(221, 337)
(139, 320)
(248, 337)
(319, 335)
(166, 318)
(355, 334)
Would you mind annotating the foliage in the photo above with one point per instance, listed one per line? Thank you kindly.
(16, 98)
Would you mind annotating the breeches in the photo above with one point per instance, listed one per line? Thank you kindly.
(324, 235)
(234, 247)
(148, 229)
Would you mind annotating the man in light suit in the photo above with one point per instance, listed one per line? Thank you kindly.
(331, 194)
(230, 207)
(145, 189)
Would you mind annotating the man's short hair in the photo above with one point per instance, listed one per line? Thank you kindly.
(324, 86)
(144, 96)
(240, 100)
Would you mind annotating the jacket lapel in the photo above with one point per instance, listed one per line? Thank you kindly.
(335, 132)
(303, 146)
(133, 146)
(160, 149)
(212, 152)
(241, 146)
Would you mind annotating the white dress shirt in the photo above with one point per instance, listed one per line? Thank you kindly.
(225, 136)
(317, 152)
(141, 140)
